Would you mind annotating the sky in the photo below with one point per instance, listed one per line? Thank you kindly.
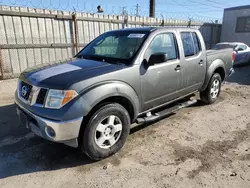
(211, 9)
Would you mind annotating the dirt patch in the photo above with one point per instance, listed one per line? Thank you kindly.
(212, 153)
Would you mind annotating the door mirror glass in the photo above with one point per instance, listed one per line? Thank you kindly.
(157, 58)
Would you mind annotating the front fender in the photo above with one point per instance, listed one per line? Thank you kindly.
(90, 97)
(218, 63)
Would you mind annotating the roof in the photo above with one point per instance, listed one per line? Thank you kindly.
(138, 29)
(150, 29)
(238, 8)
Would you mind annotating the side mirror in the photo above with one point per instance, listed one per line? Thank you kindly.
(158, 58)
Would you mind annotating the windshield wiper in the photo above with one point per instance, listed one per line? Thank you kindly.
(91, 57)
(118, 62)
(101, 58)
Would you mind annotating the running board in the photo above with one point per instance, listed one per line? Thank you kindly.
(168, 111)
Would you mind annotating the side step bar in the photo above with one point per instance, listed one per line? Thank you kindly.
(165, 112)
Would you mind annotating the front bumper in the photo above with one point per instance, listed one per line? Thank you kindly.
(64, 131)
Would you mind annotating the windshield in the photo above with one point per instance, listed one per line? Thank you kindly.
(116, 47)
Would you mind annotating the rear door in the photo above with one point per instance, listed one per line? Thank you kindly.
(193, 62)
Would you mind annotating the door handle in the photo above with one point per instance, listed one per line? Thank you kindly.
(201, 62)
(178, 68)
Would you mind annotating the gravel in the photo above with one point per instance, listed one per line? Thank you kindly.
(199, 146)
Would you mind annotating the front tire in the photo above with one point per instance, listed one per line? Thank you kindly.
(212, 92)
(106, 131)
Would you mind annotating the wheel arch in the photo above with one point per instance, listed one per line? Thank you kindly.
(117, 92)
(217, 66)
(221, 72)
(123, 101)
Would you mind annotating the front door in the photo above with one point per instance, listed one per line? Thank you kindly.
(159, 82)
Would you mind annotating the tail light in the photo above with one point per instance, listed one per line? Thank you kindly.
(233, 57)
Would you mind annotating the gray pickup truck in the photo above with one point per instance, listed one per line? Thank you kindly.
(121, 77)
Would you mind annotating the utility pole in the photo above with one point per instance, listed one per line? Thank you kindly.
(124, 10)
(137, 10)
(125, 17)
(152, 8)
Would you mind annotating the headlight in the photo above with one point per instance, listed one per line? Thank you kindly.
(58, 98)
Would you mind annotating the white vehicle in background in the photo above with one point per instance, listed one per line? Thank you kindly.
(242, 51)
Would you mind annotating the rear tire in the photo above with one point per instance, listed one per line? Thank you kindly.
(106, 131)
(212, 92)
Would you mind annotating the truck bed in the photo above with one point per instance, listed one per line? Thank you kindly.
(224, 54)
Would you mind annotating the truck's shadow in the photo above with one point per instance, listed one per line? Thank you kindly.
(9, 122)
(21, 152)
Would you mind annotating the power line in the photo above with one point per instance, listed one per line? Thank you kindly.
(180, 4)
(204, 4)
(221, 3)
(216, 2)
(188, 7)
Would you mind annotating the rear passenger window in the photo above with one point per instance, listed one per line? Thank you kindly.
(243, 47)
(197, 44)
(191, 43)
(188, 45)
(164, 43)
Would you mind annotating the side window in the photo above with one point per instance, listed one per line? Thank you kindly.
(188, 44)
(163, 43)
(197, 44)
(243, 47)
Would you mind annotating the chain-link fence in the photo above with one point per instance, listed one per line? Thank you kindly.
(30, 37)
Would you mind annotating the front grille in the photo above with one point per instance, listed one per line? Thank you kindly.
(25, 90)
(41, 96)
(32, 94)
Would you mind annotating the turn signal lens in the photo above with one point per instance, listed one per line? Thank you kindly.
(69, 95)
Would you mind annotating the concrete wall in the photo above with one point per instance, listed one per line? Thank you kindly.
(31, 37)
(228, 33)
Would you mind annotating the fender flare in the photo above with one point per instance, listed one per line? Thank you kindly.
(218, 63)
(93, 95)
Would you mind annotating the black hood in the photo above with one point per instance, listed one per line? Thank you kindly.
(63, 74)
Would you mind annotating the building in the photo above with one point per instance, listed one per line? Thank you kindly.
(236, 25)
